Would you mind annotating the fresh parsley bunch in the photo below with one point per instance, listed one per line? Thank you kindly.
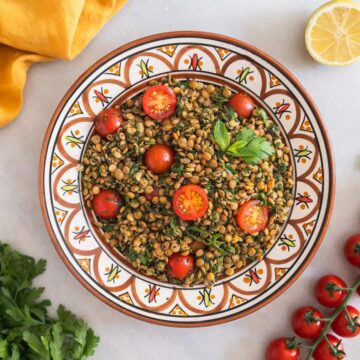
(250, 148)
(26, 330)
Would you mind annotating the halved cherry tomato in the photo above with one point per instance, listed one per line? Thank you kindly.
(352, 250)
(106, 204)
(243, 104)
(190, 202)
(282, 349)
(327, 291)
(108, 122)
(159, 158)
(252, 217)
(159, 102)
(179, 266)
(305, 324)
(345, 327)
(324, 352)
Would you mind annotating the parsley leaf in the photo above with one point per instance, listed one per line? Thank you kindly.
(246, 135)
(221, 135)
(252, 149)
(26, 330)
(229, 169)
(260, 112)
(255, 151)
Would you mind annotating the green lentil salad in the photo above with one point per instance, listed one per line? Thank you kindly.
(146, 152)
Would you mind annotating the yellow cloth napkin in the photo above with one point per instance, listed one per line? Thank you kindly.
(41, 30)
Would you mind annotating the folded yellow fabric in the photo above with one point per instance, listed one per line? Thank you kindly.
(41, 30)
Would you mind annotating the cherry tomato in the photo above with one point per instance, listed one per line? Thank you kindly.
(108, 122)
(159, 158)
(106, 204)
(345, 328)
(305, 324)
(282, 349)
(326, 291)
(243, 104)
(196, 245)
(324, 352)
(151, 195)
(159, 102)
(179, 266)
(352, 250)
(190, 202)
(252, 217)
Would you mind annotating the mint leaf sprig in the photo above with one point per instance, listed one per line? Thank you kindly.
(221, 135)
(252, 149)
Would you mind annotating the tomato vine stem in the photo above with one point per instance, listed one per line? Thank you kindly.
(331, 319)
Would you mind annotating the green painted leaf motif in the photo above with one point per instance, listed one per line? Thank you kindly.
(221, 135)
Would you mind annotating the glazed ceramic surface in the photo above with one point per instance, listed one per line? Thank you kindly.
(123, 73)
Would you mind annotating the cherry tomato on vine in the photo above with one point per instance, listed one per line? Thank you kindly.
(243, 104)
(282, 349)
(190, 202)
(327, 291)
(108, 122)
(352, 250)
(159, 102)
(347, 324)
(306, 324)
(324, 352)
(252, 217)
(106, 204)
(159, 158)
(179, 266)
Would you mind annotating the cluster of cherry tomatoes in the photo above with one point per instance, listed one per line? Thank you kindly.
(190, 202)
(309, 323)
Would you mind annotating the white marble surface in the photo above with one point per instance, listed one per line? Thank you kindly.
(277, 27)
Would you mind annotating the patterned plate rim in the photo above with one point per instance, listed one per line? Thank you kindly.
(295, 82)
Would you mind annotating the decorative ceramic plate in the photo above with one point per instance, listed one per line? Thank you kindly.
(123, 73)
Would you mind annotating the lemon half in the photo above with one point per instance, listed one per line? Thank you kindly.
(332, 34)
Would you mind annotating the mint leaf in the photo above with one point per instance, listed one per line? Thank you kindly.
(221, 135)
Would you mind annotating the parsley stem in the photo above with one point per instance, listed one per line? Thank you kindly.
(331, 319)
